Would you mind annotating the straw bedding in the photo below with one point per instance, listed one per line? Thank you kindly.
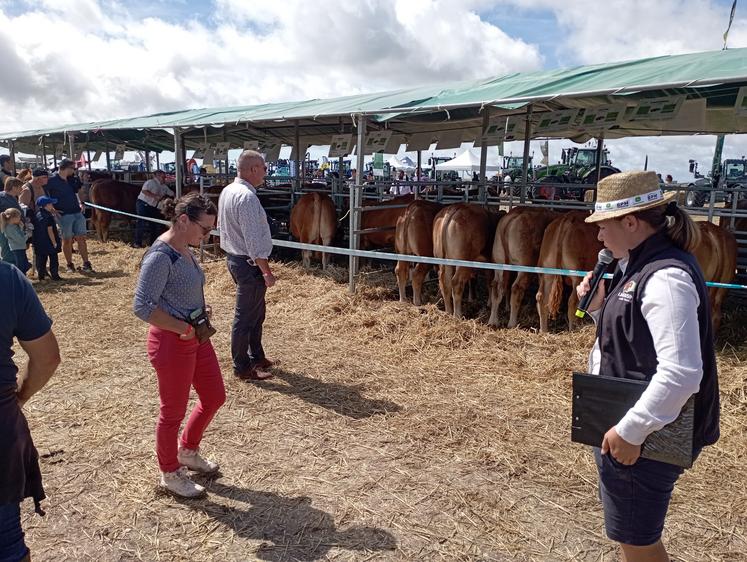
(389, 433)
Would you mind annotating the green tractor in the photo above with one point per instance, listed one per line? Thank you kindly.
(513, 167)
(730, 174)
(578, 167)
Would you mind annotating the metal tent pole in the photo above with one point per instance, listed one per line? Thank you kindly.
(299, 171)
(355, 213)
(147, 160)
(483, 180)
(44, 153)
(178, 163)
(158, 161)
(340, 173)
(12, 151)
(525, 163)
(71, 142)
(484, 144)
(108, 157)
(600, 152)
(88, 157)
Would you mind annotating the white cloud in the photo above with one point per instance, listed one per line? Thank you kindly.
(594, 32)
(80, 60)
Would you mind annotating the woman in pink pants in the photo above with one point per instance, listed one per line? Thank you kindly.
(169, 292)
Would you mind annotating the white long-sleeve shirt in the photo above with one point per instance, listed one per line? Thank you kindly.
(242, 221)
(669, 305)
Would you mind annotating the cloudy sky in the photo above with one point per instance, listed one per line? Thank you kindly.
(78, 60)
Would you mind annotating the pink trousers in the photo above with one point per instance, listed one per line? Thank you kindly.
(180, 365)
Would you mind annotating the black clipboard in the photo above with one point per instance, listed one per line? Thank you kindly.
(600, 402)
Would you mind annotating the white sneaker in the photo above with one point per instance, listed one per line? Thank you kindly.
(180, 484)
(193, 461)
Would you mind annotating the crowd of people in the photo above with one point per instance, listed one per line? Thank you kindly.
(43, 215)
(653, 325)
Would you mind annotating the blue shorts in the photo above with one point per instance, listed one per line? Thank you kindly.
(72, 225)
(12, 546)
(635, 498)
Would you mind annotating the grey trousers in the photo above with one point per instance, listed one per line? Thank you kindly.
(249, 314)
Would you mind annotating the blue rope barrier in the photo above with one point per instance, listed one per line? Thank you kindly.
(415, 259)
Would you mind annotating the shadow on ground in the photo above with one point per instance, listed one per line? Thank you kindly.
(343, 399)
(290, 528)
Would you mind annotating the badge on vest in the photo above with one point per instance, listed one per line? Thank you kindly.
(627, 292)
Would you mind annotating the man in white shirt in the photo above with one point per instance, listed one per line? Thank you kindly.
(151, 194)
(245, 237)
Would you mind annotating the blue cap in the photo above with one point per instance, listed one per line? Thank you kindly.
(44, 200)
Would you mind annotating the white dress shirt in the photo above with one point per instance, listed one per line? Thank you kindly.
(242, 221)
(154, 186)
(669, 305)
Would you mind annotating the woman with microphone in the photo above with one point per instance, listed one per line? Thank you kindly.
(653, 325)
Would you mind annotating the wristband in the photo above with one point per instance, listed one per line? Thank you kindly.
(188, 330)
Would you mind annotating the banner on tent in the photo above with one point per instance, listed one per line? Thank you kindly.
(341, 145)
(199, 151)
(376, 141)
(494, 134)
(271, 150)
(553, 121)
(419, 141)
(599, 118)
(449, 139)
(393, 144)
(119, 152)
(741, 105)
(251, 145)
(221, 150)
(657, 109)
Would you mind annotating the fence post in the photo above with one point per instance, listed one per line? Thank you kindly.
(355, 204)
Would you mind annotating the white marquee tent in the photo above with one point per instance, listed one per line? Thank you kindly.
(467, 161)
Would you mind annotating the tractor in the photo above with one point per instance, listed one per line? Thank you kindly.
(731, 174)
(578, 166)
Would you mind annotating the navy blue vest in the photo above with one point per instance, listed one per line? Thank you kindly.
(625, 341)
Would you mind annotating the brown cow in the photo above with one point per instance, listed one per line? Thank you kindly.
(517, 242)
(24, 175)
(717, 256)
(740, 224)
(313, 220)
(384, 219)
(114, 195)
(414, 236)
(568, 243)
(462, 232)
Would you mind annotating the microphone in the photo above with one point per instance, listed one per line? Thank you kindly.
(604, 258)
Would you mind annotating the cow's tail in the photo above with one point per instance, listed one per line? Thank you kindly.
(92, 197)
(556, 282)
(316, 223)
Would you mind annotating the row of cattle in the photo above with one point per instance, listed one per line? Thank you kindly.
(525, 236)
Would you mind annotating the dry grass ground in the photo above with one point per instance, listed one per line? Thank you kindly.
(389, 433)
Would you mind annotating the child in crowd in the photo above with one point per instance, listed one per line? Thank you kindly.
(11, 225)
(47, 241)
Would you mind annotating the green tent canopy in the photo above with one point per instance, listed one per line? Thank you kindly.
(669, 95)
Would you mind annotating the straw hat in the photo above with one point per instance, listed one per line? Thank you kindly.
(628, 192)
